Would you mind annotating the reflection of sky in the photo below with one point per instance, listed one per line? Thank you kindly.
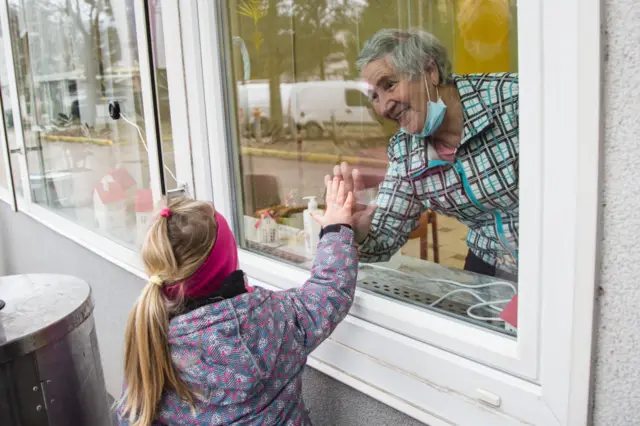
(56, 40)
(351, 8)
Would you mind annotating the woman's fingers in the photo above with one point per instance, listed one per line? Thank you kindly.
(327, 179)
(358, 181)
(345, 172)
(337, 171)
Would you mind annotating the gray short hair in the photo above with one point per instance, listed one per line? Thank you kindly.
(409, 51)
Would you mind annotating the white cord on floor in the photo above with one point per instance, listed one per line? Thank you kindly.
(483, 302)
(124, 117)
(467, 288)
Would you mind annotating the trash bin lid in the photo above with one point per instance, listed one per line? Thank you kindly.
(40, 309)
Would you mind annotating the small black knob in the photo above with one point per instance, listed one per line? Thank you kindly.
(114, 110)
(1, 304)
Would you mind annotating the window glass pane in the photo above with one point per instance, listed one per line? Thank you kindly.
(8, 121)
(430, 121)
(72, 59)
(162, 93)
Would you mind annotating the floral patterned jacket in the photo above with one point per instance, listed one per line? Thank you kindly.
(245, 355)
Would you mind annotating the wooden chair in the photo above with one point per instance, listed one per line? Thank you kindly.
(422, 232)
(260, 192)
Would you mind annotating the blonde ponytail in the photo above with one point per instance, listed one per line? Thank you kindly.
(175, 247)
(149, 367)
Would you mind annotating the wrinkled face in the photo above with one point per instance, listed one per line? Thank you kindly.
(398, 98)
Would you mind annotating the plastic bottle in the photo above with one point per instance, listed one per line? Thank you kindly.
(311, 227)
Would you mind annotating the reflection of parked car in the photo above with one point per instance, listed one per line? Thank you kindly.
(313, 105)
(253, 100)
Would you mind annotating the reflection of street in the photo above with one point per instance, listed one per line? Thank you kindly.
(63, 175)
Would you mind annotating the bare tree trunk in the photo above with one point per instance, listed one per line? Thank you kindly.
(321, 57)
(321, 67)
(91, 80)
(273, 67)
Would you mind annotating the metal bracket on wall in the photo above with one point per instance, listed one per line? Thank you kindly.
(21, 150)
(181, 191)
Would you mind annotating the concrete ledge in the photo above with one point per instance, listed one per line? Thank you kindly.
(78, 139)
(312, 157)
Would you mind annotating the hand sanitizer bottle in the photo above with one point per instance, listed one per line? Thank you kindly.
(311, 227)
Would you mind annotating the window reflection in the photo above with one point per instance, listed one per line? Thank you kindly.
(162, 93)
(9, 125)
(71, 59)
(305, 102)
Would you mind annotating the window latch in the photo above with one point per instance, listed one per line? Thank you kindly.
(181, 191)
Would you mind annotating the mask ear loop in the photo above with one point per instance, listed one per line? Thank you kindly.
(426, 87)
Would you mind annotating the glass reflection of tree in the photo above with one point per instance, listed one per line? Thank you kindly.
(61, 36)
(317, 25)
(306, 40)
(299, 41)
(88, 16)
(254, 10)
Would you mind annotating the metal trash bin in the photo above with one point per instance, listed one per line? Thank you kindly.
(50, 370)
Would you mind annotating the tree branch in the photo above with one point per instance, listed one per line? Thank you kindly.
(76, 16)
(99, 7)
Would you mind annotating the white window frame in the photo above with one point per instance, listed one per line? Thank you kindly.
(545, 377)
(105, 247)
(7, 194)
(24, 200)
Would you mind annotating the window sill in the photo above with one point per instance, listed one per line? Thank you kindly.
(428, 383)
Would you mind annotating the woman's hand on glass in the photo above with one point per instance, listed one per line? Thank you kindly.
(339, 207)
(363, 213)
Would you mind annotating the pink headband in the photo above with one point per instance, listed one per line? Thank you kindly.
(220, 263)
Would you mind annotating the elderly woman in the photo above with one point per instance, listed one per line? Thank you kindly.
(456, 152)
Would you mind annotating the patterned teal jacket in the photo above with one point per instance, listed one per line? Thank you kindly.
(479, 188)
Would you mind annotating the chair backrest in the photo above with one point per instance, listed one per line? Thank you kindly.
(260, 192)
(422, 230)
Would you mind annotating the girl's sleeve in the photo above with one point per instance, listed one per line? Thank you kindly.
(325, 299)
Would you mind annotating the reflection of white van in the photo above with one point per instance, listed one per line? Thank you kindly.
(253, 99)
(313, 104)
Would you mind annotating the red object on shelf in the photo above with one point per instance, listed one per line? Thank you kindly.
(110, 192)
(510, 312)
(144, 201)
(263, 215)
(123, 177)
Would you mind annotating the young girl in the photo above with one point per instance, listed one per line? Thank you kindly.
(204, 348)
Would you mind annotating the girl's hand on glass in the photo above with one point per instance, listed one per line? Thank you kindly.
(340, 208)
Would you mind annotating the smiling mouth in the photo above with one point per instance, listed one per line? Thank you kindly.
(401, 116)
